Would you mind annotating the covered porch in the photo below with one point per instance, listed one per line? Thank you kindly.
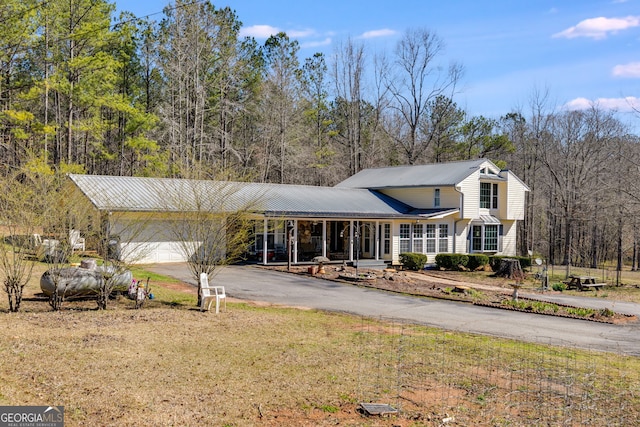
(299, 240)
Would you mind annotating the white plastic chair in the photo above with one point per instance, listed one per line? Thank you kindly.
(211, 293)
(77, 242)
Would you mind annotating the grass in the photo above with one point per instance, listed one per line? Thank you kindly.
(169, 364)
(537, 306)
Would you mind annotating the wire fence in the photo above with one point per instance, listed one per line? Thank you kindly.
(434, 377)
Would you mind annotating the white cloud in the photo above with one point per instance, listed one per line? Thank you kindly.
(625, 104)
(631, 69)
(319, 43)
(385, 32)
(598, 28)
(259, 31)
(266, 31)
(295, 34)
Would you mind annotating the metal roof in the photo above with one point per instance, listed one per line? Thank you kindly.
(114, 193)
(434, 213)
(436, 174)
(489, 219)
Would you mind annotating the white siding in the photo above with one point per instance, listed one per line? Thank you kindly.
(423, 198)
(395, 242)
(515, 197)
(470, 187)
(145, 242)
(462, 232)
(509, 238)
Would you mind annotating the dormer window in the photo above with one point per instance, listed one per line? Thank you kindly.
(436, 198)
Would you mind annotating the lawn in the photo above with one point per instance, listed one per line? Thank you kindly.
(169, 364)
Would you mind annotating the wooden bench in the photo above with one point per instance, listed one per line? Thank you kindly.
(585, 286)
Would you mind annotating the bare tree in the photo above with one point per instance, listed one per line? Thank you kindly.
(347, 72)
(18, 220)
(577, 163)
(279, 109)
(418, 81)
(187, 59)
(90, 205)
(209, 221)
(529, 135)
(316, 114)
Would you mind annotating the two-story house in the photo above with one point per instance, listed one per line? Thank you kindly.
(377, 214)
(462, 207)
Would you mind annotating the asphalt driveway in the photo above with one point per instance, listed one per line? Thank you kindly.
(255, 284)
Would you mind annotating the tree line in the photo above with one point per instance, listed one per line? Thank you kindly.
(187, 96)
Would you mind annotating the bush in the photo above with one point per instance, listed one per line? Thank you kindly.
(559, 287)
(525, 262)
(413, 261)
(451, 261)
(443, 261)
(477, 260)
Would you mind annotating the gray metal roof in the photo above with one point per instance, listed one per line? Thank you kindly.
(180, 195)
(436, 174)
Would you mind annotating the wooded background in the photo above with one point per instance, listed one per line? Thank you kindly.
(86, 91)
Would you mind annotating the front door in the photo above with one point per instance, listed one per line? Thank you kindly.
(368, 240)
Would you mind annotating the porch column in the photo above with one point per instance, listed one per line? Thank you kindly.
(324, 238)
(351, 240)
(265, 252)
(377, 231)
(295, 241)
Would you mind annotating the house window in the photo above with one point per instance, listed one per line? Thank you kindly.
(443, 238)
(367, 239)
(488, 195)
(436, 198)
(405, 238)
(387, 238)
(485, 195)
(476, 238)
(485, 238)
(417, 239)
(424, 238)
(491, 238)
(430, 236)
(494, 197)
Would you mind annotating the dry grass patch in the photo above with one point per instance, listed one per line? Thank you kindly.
(161, 366)
(169, 364)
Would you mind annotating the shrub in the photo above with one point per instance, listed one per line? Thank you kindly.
(559, 286)
(477, 260)
(525, 262)
(413, 260)
(443, 261)
(451, 261)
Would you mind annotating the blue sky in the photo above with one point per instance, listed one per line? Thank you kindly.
(580, 51)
